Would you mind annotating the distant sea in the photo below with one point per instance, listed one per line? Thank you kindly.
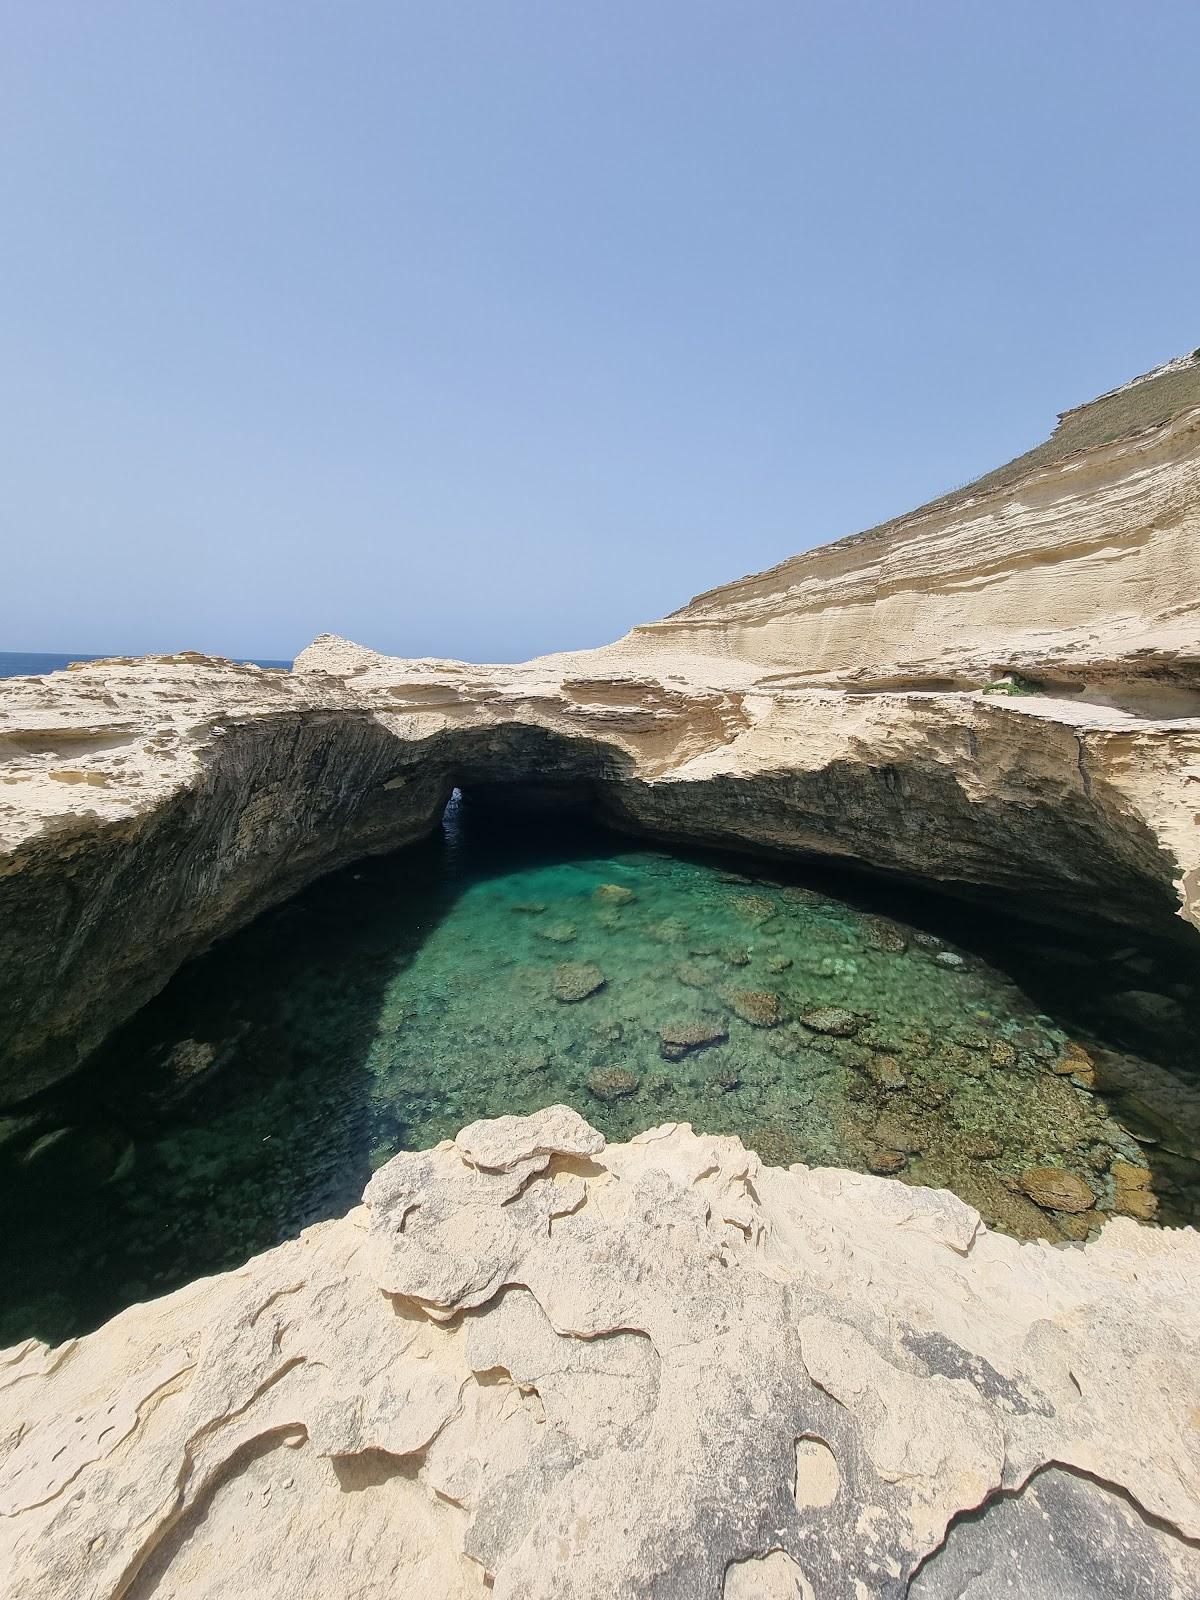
(31, 663)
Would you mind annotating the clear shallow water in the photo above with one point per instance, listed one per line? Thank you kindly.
(501, 970)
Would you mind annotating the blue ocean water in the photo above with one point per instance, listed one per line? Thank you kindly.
(36, 663)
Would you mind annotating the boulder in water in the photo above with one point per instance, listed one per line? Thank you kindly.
(576, 980)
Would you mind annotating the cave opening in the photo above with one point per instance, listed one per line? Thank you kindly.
(528, 952)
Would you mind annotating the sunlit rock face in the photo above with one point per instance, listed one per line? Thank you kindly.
(533, 1365)
(538, 1365)
(1077, 563)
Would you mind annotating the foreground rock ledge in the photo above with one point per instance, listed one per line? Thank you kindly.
(536, 1365)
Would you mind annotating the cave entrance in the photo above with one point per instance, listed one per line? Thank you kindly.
(525, 955)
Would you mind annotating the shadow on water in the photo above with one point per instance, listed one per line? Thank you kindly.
(235, 1109)
(399, 998)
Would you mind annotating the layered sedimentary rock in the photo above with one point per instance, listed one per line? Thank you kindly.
(838, 706)
(531, 1365)
(534, 1366)
(1078, 562)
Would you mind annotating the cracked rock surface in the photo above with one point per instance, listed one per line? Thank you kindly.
(539, 1367)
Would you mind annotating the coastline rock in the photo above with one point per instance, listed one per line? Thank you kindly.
(326, 1416)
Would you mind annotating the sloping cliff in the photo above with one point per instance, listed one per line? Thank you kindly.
(531, 1365)
(836, 706)
(1078, 562)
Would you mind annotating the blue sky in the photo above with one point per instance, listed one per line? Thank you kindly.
(487, 329)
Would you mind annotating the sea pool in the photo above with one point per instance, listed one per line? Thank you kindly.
(499, 969)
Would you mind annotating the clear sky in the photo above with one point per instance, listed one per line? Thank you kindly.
(493, 328)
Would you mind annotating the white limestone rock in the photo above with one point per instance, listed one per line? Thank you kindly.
(591, 1373)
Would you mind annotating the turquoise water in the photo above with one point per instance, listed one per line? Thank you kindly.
(493, 971)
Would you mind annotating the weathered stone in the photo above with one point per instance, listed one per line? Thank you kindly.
(779, 963)
(576, 980)
(886, 1161)
(614, 894)
(887, 1072)
(830, 1019)
(558, 933)
(506, 1372)
(613, 1083)
(678, 1039)
(1055, 1189)
(762, 1007)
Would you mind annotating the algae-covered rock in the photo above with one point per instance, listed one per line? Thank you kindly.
(830, 1019)
(576, 980)
(678, 1039)
(761, 1007)
(613, 894)
(1055, 1189)
(613, 1083)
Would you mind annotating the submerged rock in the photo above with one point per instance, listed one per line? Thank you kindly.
(760, 1007)
(678, 1039)
(613, 1083)
(885, 936)
(1055, 1189)
(614, 894)
(830, 1019)
(76, 1159)
(886, 1072)
(893, 1134)
(576, 980)
(1076, 1063)
(1132, 1194)
(886, 1162)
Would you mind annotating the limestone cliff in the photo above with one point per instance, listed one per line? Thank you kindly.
(533, 1366)
(836, 706)
(1078, 563)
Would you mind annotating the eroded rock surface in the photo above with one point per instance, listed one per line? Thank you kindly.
(834, 706)
(532, 1364)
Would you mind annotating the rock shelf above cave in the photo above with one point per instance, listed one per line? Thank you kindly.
(536, 1366)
